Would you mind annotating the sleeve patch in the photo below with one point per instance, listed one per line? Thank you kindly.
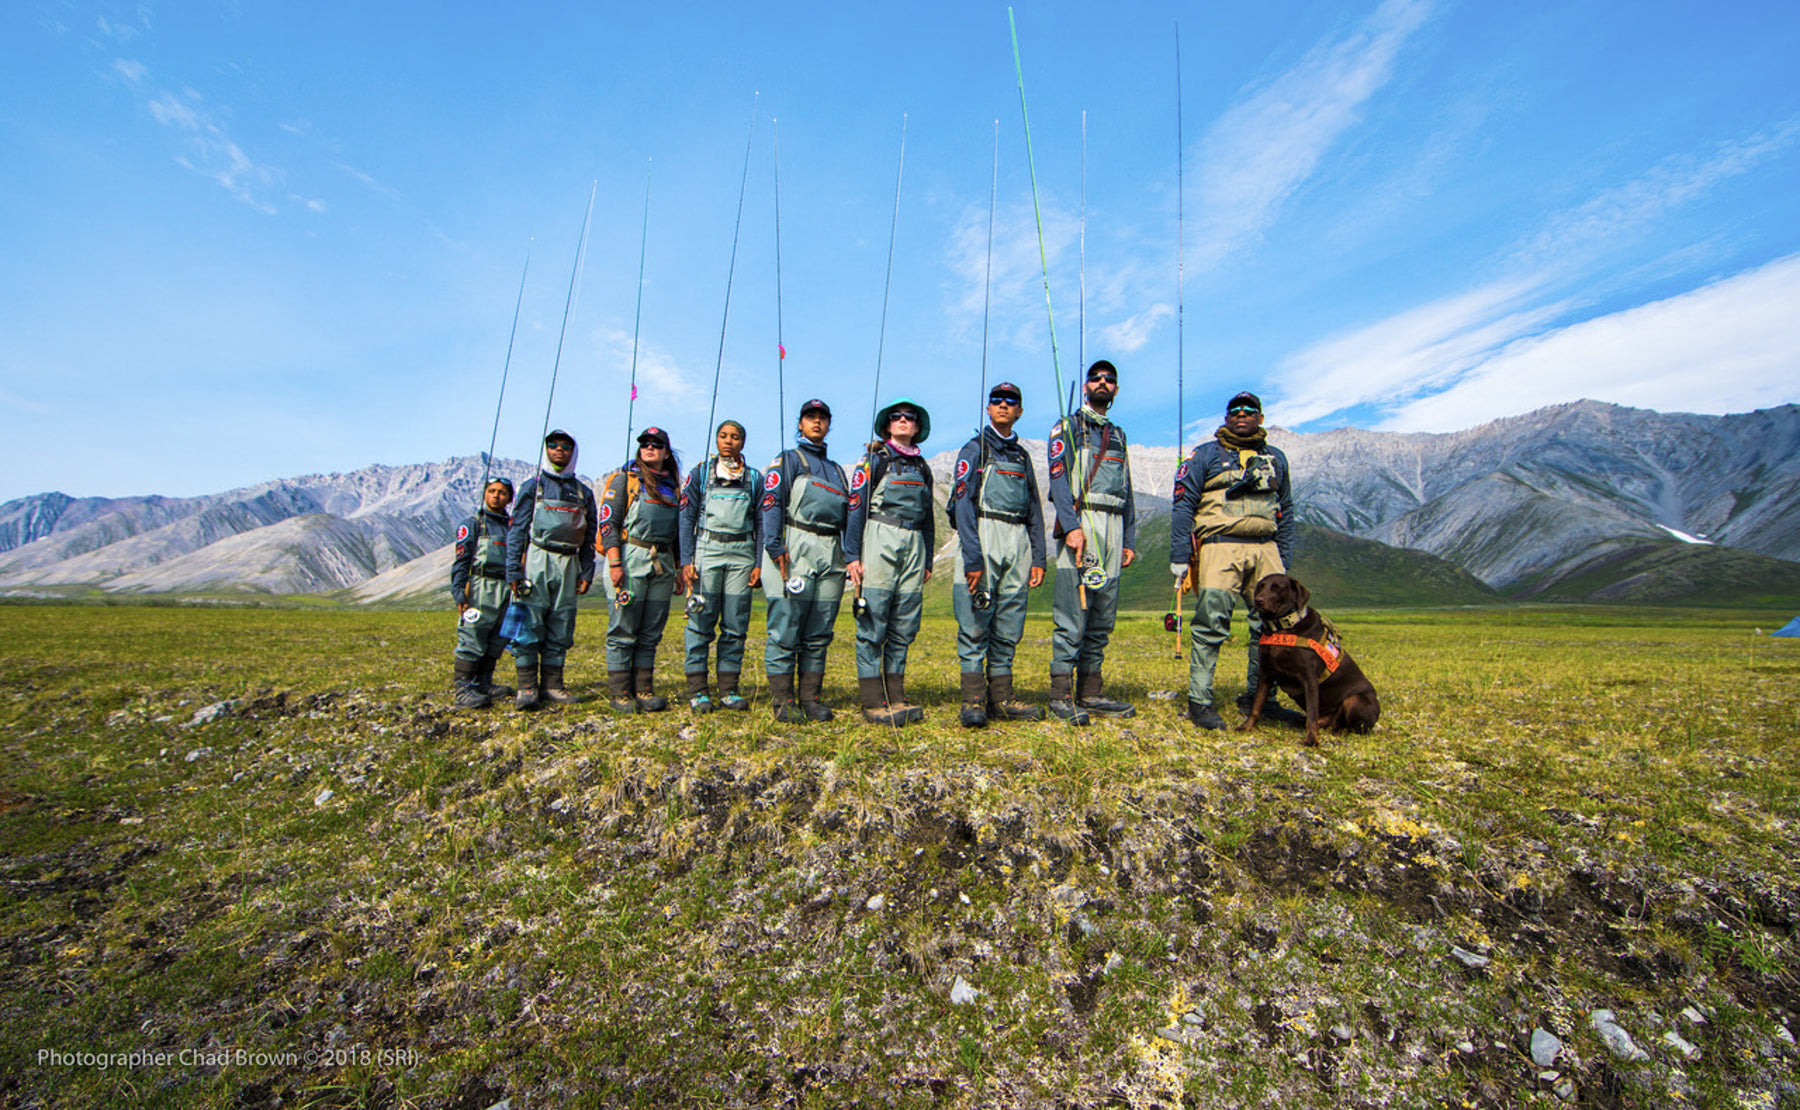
(768, 501)
(1057, 447)
(462, 533)
(962, 490)
(605, 513)
(772, 480)
(859, 478)
(962, 469)
(1181, 472)
(1056, 470)
(855, 501)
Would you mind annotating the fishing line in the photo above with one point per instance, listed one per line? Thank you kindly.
(731, 269)
(568, 310)
(893, 233)
(780, 343)
(1081, 314)
(638, 319)
(1037, 211)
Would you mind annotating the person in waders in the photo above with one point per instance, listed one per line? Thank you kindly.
(999, 521)
(549, 563)
(805, 506)
(478, 587)
(1231, 521)
(639, 518)
(721, 533)
(1096, 520)
(888, 545)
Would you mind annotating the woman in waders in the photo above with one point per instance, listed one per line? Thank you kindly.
(805, 505)
(721, 534)
(639, 518)
(888, 547)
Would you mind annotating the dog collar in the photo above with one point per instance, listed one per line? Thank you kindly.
(1289, 621)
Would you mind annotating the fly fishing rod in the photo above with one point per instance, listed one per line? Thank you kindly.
(1036, 208)
(731, 268)
(987, 284)
(1180, 334)
(780, 343)
(638, 318)
(487, 460)
(888, 285)
(1081, 312)
(568, 310)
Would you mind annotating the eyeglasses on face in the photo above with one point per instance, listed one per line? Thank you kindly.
(1243, 410)
(1003, 400)
(905, 416)
(1104, 376)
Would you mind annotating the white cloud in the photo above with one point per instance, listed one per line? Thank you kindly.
(1731, 346)
(207, 149)
(132, 71)
(1129, 336)
(1264, 148)
(658, 375)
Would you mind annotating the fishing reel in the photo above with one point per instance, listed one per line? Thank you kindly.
(1093, 576)
(1171, 623)
(982, 600)
(624, 596)
(796, 585)
(471, 615)
(522, 589)
(696, 604)
(860, 607)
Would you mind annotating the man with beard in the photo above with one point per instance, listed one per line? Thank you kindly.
(1096, 522)
(1233, 502)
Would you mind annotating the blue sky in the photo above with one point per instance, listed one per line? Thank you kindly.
(254, 240)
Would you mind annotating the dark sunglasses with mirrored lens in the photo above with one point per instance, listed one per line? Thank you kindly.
(1243, 410)
(1104, 376)
(1002, 399)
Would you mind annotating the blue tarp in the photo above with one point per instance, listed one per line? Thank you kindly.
(1792, 628)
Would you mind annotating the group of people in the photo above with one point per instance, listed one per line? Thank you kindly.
(805, 531)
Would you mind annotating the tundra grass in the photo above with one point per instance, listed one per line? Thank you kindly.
(254, 858)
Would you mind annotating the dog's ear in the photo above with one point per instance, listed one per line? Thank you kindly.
(1302, 595)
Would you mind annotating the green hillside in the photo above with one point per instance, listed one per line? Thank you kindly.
(1671, 573)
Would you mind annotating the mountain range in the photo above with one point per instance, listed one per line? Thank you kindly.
(1579, 502)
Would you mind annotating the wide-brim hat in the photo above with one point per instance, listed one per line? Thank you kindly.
(886, 415)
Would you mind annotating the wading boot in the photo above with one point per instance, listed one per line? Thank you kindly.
(781, 700)
(1089, 697)
(484, 677)
(974, 700)
(1062, 700)
(896, 689)
(697, 698)
(554, 692)
(1272, 710)
(729, 698)
(469, 694)
(811, 686)
(527, 697)
(1204, 716)
(618, 692)
(648, 701)
(1004, 705)
(875, 707)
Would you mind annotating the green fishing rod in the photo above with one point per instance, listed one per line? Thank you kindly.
(1180, 334)
(1037, 210)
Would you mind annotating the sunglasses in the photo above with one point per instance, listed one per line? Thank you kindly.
(1243, 410)
(1103, 376)
(1002, 399)
(905, 416)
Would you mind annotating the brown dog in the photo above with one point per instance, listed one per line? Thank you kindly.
(1300, 653)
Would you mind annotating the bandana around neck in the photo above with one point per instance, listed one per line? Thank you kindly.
(1255, 441)
(904, 449)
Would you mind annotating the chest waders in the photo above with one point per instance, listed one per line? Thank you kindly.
(1100, 480)
(724, 553)
(478, 643)
(987, 637)
(647, 550)
(893, 565)
(800, 622)
(552, 567)
(1234, 530)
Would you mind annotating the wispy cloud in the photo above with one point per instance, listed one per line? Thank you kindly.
(1129, 336)
(385, 190)
(1267, 146)
(1740, 336)
(206, 146)
(658, 374)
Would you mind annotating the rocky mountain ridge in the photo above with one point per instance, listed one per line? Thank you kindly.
(1521, 503)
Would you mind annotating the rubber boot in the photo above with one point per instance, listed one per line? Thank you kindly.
(1272, 710)
(647, 699)
(811, 686)
(896, 691)
(974, 700)
(618, 692)
(697, 698)
(1004, 705)
(875, 707)
(1062, 700)
(469, 694)
(1204, 716)
(729, 698)
(554, 691)
(1089, 697)
(781, 699)
(484, 676)
(527, 697)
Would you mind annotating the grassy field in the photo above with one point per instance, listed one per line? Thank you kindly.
(253, 858)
